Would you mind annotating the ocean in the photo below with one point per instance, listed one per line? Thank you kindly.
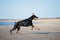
(12, 23)
(7, 23)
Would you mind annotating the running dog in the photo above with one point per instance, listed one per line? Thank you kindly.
(26, 23)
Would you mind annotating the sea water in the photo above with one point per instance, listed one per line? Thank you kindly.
(7, 23)
(12, 23)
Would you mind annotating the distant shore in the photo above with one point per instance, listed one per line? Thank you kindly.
(15, 20)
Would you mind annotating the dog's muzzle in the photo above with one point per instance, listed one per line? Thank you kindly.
(36, 18)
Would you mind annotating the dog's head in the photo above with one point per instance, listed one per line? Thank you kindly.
(34, 17)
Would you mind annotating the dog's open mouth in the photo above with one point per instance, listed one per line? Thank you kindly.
(35, 18)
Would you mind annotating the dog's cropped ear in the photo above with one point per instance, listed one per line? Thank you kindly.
(32, 13)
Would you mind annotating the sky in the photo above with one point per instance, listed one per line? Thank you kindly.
(21, 9)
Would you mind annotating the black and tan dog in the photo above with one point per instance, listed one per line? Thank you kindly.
(25, 23)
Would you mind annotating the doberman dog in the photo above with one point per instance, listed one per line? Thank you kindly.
(27, 22)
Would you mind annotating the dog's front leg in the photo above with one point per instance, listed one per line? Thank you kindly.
(36, 27)
(32, 28)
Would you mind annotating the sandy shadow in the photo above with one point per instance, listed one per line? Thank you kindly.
(37, 33)
(40, 33)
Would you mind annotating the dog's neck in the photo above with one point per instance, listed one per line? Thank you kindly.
(30, 18)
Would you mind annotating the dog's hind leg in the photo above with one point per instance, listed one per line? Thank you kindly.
(14, 28)
(18, 28)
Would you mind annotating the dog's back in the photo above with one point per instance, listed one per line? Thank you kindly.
(25, 23)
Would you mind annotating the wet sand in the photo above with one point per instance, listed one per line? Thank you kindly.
(49, 30)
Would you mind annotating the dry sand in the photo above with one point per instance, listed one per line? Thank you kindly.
(49, 30)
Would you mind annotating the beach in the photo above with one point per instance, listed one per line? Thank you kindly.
(49, 30)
